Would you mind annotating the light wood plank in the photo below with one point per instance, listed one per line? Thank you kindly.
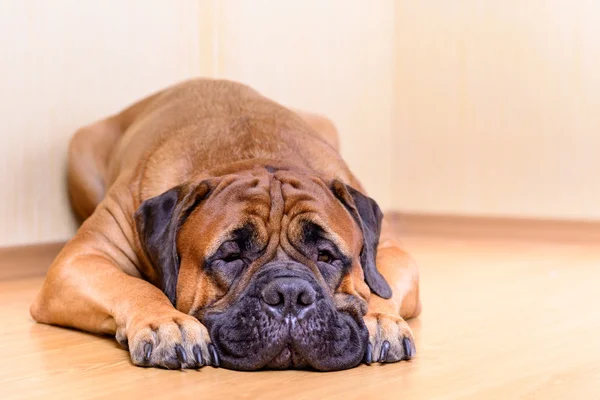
(503, 318)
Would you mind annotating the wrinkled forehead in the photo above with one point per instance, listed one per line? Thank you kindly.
(309, 199)
(269, 203)
(236, 202)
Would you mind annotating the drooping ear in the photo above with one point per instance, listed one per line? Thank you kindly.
(368, 215)
(158, 220)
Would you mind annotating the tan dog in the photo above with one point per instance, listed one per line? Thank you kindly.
(222, 228)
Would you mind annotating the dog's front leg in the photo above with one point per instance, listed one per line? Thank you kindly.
(86, 288)
(390, 337)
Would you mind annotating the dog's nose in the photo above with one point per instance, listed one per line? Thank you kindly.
(289, 296)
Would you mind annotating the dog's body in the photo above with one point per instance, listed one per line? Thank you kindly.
(209, 206)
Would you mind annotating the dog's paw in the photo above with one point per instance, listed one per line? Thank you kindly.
(174, 342)
(390, 339)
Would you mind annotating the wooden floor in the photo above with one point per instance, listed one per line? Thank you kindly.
(505, 316)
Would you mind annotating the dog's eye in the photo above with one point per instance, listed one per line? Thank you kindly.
(229, 252)
(325, 256)
(227, 263)
(232, 257)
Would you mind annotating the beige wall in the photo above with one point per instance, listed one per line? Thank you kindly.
(497, 108)
(471, 107)
(334, 57)
(67, 63)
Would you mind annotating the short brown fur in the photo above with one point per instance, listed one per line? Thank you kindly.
(103, 282)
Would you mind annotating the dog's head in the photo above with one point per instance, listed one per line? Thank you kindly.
(277, 265)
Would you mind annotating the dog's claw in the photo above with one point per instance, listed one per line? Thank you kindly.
(198, 355)
(181, 356)
(409, 348)
(216, 362)
(147, 351)
(385, 347)
(369, 354)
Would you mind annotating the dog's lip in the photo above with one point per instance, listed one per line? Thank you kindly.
(252, 362)
(289, 357)
(273, 354)
(267, 359)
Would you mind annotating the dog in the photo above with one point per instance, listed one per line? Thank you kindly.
(221, 228)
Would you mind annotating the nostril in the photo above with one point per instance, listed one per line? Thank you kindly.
(307, 297)
(272, 297)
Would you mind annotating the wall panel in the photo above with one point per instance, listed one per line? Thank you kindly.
(497, 108)
(66, 63)
(332, 57)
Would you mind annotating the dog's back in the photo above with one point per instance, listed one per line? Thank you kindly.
(204, 124)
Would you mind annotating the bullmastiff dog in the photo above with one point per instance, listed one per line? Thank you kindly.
(221, 228)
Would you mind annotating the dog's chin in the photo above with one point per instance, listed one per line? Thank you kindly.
(288, 358)
(248, 339)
